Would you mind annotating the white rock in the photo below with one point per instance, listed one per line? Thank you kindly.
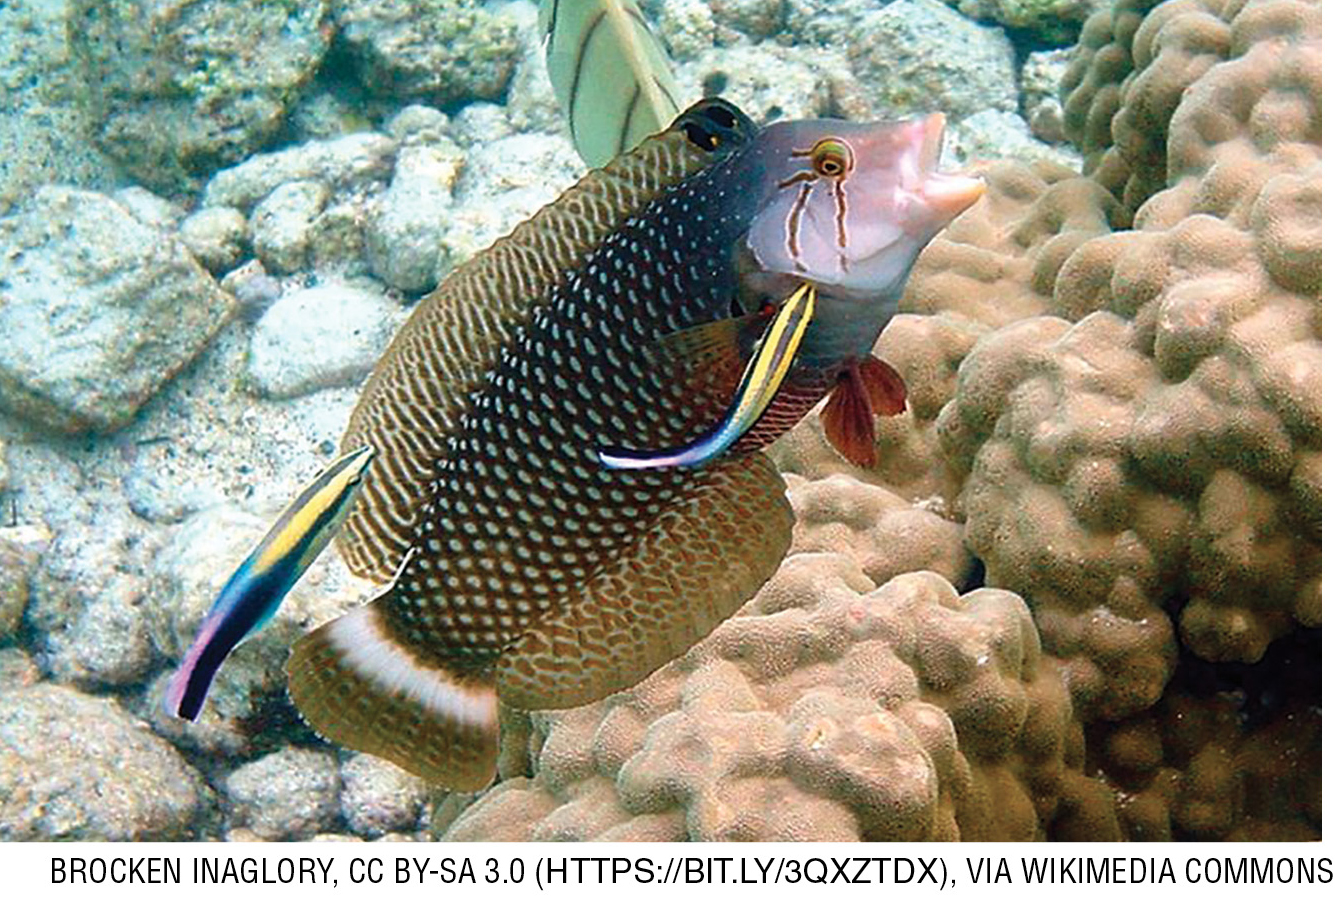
(687, 28)
(341, 163)
(767, 81)
(147, 207)
(379, 797)
(503, 186)
(78, 768)
(282, 225)
(254, 288)
(99, 310)
(418, 124)
(216, 236)
(920, 55)
(319, 338)
(993, 135)
(288, 794)
(405, 235)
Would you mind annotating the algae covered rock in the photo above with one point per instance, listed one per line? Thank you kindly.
(181, 87)
(440, 52)
(920, 55)
(99, 311)
(44, 126)
(292, 793)
(1050, 20)
(73, 767)
(16, 563)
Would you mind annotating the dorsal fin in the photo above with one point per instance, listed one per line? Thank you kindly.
(423, 382)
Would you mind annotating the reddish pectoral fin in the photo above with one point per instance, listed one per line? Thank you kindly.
(885, 388)
(869, 387)
(848, 421)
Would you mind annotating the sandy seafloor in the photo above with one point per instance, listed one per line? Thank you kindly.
(1078, 597)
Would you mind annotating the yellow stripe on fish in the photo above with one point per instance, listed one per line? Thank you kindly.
(761, 381)
(254, 592)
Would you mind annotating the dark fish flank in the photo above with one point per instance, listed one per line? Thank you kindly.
(522, 512)
(425, 383)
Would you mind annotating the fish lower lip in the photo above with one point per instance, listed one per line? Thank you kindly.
(952, 194)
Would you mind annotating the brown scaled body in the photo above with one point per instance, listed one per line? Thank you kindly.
(533, 575)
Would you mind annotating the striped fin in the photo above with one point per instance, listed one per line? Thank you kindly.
(707, 555)
(424, 381)
(868, 387)
(761, 382)
(359, 687)
(610, 73)
(254, 592)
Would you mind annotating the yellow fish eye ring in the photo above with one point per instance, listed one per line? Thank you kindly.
(831, 158)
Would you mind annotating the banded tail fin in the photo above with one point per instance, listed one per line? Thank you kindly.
(357, 686)
(703, 560)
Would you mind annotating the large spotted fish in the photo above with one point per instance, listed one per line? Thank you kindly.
(621, 320)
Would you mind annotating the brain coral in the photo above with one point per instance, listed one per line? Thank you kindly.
(1254, 73)
(828, 708)
(1152, 471)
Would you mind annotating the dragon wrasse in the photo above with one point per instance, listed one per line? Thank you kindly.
(521, 568)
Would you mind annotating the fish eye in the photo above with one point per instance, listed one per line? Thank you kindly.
(831, 158)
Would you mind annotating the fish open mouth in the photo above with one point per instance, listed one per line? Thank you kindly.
(949, 194)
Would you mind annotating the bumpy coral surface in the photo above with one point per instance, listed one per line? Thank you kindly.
(1254, 71)
(1160, 458)
(828, 708)
(1143, 464)
(884, 534)
(995, 264)
(1131, 419)
(1231, 752)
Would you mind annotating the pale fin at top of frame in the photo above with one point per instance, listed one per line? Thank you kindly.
(610, 73)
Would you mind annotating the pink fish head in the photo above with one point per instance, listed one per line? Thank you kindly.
(849, 206)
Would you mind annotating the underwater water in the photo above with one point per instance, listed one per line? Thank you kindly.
(1072, 593)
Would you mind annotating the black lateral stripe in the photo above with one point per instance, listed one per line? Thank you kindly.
(667, 95)
(625, 121)
(579, 61)
(556, 15)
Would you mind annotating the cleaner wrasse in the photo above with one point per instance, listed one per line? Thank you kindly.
(254, 592)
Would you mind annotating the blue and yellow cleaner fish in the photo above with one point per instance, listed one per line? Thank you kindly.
(253, 593)
(619, 321)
